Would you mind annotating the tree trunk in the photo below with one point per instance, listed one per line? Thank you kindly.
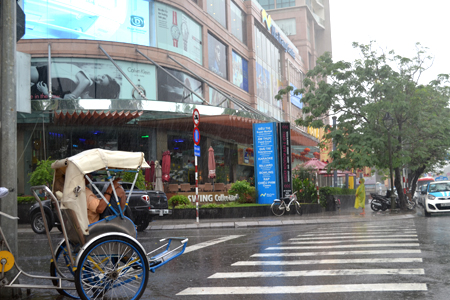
(399, 188)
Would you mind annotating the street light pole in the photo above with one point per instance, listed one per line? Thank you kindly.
(387, 120)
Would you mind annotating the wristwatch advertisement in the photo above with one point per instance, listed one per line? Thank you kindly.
(185, 33)
(175, 30)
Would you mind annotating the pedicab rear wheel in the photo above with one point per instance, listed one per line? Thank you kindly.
(63, 262)
(115, 266)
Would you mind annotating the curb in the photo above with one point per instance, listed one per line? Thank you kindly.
(265, 223)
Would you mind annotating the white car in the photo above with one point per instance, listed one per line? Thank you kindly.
(435, 197)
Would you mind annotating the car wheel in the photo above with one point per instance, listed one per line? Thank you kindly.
(37, 223)
(427, 214)
(142, 224)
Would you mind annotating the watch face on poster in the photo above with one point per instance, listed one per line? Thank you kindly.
(175, 31)
(185, 33)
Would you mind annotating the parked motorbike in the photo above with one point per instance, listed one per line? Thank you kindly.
(382, 202)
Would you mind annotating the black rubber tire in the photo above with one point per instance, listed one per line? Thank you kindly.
(276, 210)
(143, 225)
(298, 208)
(59, 228)
(37, 223)
(373, 206)
(112, 263)
(63, 261)
(426, 214)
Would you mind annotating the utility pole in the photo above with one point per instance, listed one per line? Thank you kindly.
(8, 124)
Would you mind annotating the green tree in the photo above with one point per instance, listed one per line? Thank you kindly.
(43, 174)
(361, 93)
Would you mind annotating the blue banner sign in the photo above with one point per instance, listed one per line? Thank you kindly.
(266, 162)
(196, 150)
(441, 178)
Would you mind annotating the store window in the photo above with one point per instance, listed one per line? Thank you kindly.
(287, 26)
(217, 10)
(285, 3)
(217, 58)
(240, 71)
(182, 164)
(171, 90)
(218, 99)
(238, 24)
(267, 4)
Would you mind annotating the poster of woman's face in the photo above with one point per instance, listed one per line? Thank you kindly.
(171, 90)
(217, 59)
(76, 78)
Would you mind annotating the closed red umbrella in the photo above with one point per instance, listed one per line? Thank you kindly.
(211, 165)
(165, 168)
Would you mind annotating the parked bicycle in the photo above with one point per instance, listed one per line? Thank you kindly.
(279, 206)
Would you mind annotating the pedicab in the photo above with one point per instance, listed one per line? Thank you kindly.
(103, 259)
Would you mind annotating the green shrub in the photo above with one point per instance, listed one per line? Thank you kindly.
(213, 205)
(27, 199)
(326, 190)
(129, 177)
(306, 190)
(43, 174)
(247, 193)
(177, 200)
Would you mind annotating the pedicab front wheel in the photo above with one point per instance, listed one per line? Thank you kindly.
(115, 266)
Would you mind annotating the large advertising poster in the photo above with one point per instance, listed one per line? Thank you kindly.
(84, 78)
(125, 21)
(263, 83)
(176, 32)
(217, 57)
(284, 135)
(240, 71)
(266, 162)
(171, 90)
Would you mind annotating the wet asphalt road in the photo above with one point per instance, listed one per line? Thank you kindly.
(400, 259)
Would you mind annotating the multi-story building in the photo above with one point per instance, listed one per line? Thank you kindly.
(127, 74)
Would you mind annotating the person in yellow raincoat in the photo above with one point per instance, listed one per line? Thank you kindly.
(360, 200)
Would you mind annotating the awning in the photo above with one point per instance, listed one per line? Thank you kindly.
(228, 127)
(94, 118)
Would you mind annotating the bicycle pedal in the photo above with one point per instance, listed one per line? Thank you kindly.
(288, 209)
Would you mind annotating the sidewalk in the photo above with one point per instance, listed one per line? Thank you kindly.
(349, 215)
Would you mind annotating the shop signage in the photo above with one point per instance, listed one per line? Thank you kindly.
(268, 20)
(266, 162)
(211, 197)
(284, 135)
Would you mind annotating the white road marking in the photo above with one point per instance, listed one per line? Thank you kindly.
(210, 243)
(343, 246)
(341, 288)
(354, 236)
(327, 261)
(338, 233)
(361, 252)
(341, 272)
(356, 241)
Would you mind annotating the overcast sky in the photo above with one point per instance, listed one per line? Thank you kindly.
(395, 25)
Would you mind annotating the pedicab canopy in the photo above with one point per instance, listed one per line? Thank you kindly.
(69, 176)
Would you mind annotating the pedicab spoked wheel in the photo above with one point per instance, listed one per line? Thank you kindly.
(114, 266)
(63, 263)
(278, 208)
(298, 208)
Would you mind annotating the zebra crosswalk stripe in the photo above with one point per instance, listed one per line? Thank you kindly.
(328, 261)
(303, 289)
(353, 241)
(345, 246)
(355, 252)
(339, 272)
(354, 236)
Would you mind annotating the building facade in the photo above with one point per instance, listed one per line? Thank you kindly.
(127, 76)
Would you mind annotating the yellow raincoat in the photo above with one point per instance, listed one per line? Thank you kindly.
(360, 200)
